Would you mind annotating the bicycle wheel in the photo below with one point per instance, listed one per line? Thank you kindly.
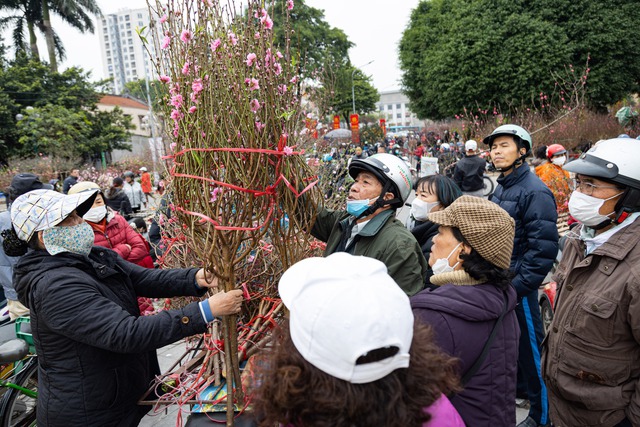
(488, 186)
(18, 409)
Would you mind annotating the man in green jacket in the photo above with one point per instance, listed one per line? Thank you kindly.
(368, 227)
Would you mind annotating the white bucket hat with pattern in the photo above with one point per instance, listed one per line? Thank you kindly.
(42, 209)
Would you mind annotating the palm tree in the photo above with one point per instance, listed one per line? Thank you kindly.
(24, 13)
(37, 14)
(76, 13)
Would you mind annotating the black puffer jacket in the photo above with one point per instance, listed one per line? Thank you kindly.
(532, 206)
(424, 233)
(96, 354)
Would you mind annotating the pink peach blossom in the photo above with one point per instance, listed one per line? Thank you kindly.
(251, 57)
(289, 4)
(233, 39)
(193, 109)
(254, 105)
(163, 18)
(165, 42)
(164, 79)
(185, 68)
(253, 84)
(215, 44)
(288, 151)
(186, 36)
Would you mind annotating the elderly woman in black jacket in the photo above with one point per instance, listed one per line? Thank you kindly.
(96, 353)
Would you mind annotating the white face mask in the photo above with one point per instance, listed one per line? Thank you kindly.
(442, 264)
(96, 214)
(559, 161)
(420, 209)
(586, 209)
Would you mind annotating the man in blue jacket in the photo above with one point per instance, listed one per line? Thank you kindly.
(531, 204)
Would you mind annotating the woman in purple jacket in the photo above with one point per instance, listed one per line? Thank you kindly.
(471, 309)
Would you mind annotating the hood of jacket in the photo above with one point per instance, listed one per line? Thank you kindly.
(114, 193)
(475, 303)
(35, 264)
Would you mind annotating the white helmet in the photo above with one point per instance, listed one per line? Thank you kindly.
(510, 130)
(388, 169)
(614, 160)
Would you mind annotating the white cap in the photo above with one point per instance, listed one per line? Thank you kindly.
(342, 307)
(471, 145)
(143, 169)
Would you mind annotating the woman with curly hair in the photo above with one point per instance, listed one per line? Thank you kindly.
(350, 353)
(471, 308)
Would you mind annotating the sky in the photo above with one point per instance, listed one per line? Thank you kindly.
(375, 26)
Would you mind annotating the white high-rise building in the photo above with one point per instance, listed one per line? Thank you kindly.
(124, 57)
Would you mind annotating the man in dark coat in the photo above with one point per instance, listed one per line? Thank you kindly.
(70, 181)
(96, 354)
(531, 204)
(469, 171)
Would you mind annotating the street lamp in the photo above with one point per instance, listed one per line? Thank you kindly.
(353, 91)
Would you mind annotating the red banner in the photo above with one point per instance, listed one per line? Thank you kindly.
(383, 126)
(355, 134)
(336, 122)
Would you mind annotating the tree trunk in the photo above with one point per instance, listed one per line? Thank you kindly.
(33, 42)
(48, 33)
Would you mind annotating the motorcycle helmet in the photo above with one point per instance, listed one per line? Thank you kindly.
(520, 134)
(392, 172)
(554, 150)
(616, 161)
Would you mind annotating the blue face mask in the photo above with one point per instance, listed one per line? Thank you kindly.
(356, 207)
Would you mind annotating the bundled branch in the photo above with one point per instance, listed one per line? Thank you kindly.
(238, 175)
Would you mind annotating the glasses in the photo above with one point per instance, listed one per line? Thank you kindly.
(587, 188)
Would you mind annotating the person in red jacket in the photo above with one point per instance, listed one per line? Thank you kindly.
(111, 230)
(145, 182)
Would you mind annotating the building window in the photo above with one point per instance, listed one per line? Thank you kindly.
(126, 57)
(122, 26)
(128, 24)
(130, 48)
(120, 18)
(109, 61)
(128, 73)
(104, 22)
(126, 18)
(129, 33)
(106, 37)
(108, 53)
(140, 24)
(398, 106)
(399, 115)
(382, 108)
(139, 16)
(389, 106)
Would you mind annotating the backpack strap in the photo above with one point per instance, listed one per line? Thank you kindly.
(485, 351)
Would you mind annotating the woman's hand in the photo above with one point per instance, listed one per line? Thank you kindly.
(226, 303)
(202, 281)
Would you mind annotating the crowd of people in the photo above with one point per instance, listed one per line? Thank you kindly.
(430, 323)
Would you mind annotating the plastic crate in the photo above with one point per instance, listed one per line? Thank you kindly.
(23, 329)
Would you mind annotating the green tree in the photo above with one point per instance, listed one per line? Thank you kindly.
(462, 53)
(36, 14)
(314, 43)
(138, 89)
(65, 102)
(366, 95)
(53, 129)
